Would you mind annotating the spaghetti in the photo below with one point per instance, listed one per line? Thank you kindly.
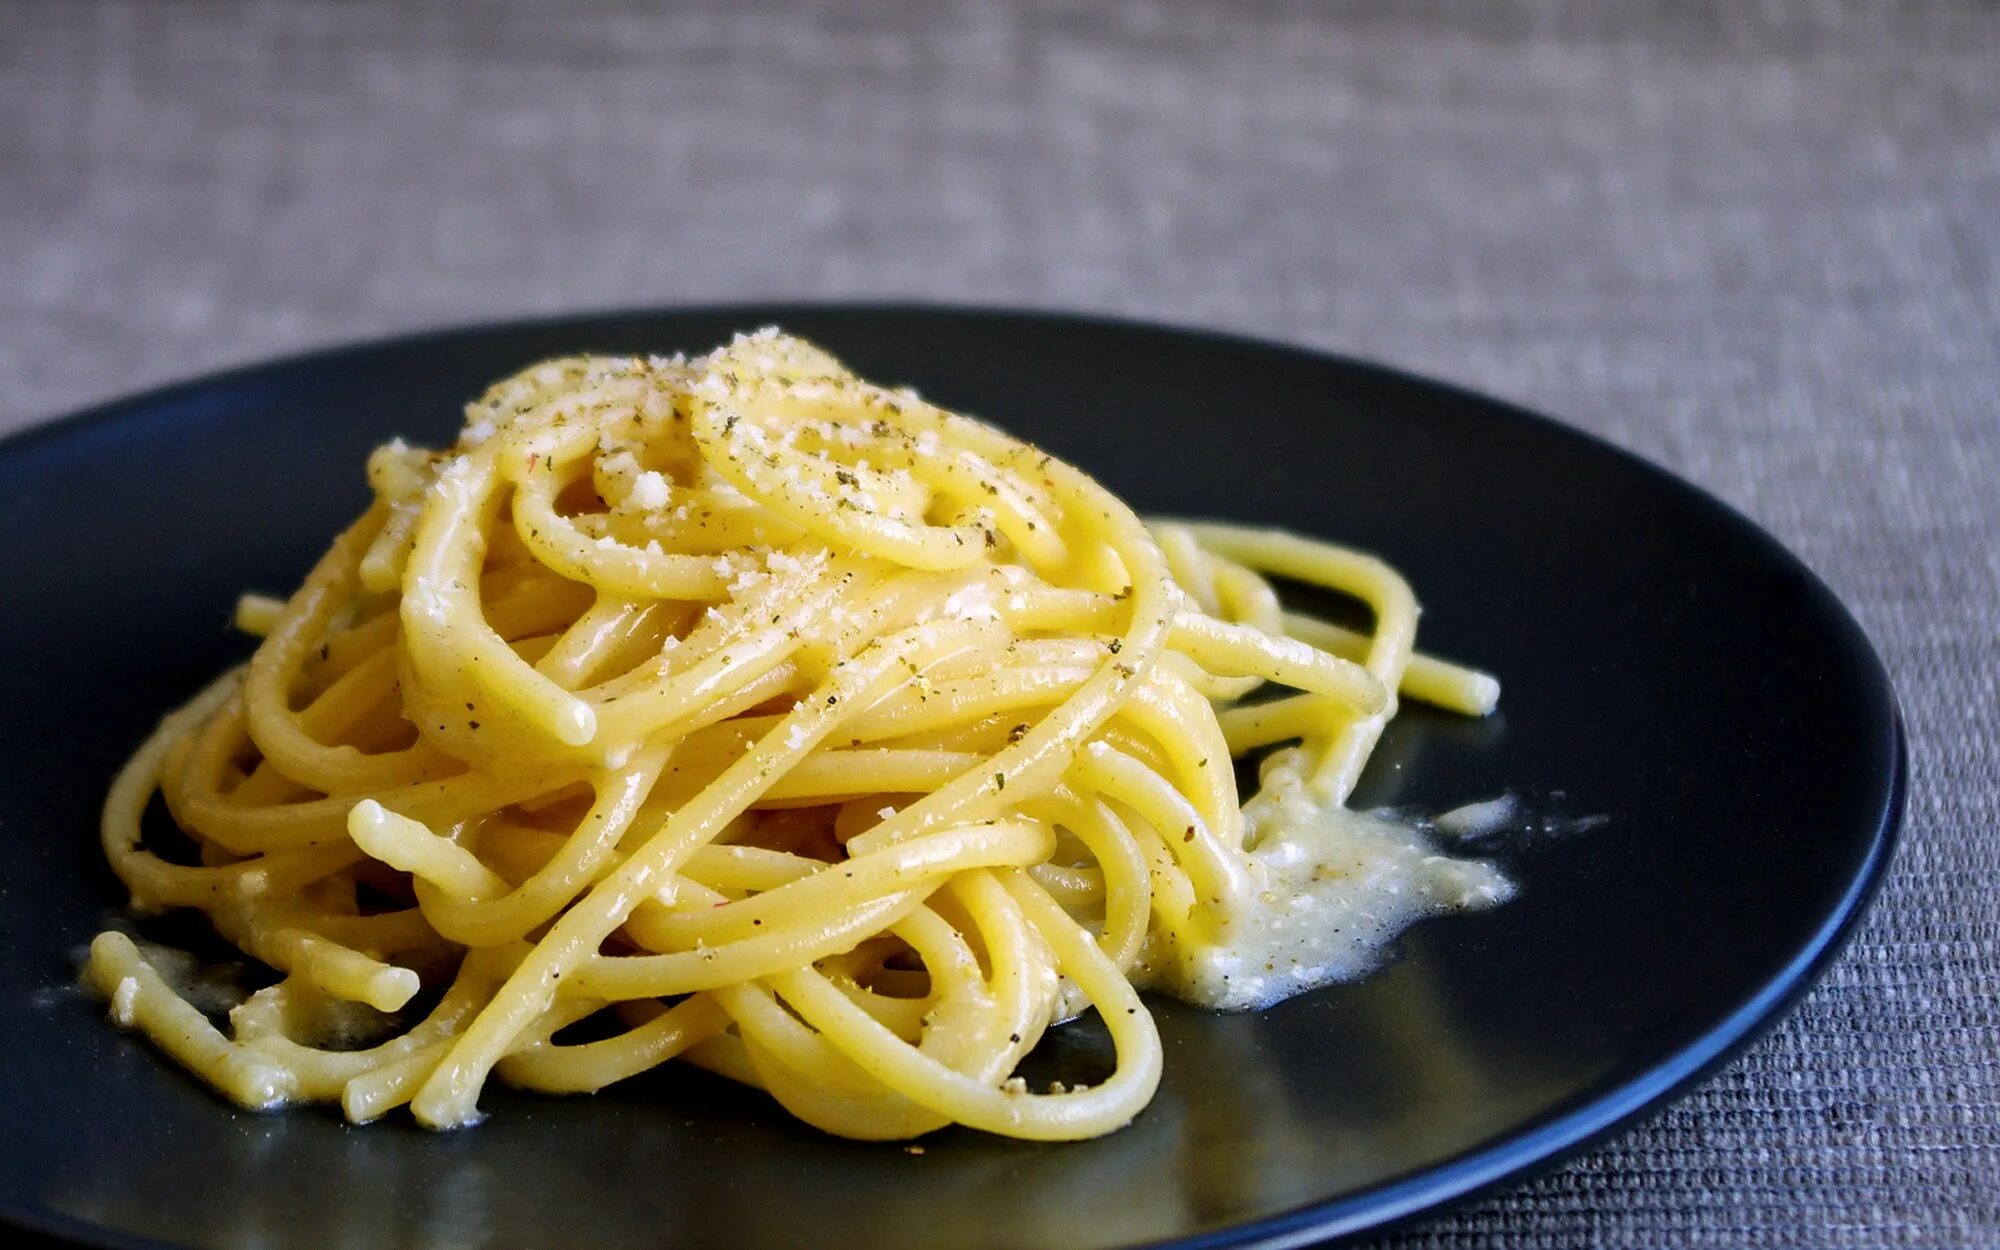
(742, 711)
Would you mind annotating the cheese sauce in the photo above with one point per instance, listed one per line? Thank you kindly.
(1331, 889)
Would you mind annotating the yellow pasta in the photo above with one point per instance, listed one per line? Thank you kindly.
(748, 713)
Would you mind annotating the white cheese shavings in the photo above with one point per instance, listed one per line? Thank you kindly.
(124, 1002)
(971, 603)
(649, 491)
(1477, 819)
(453, 485)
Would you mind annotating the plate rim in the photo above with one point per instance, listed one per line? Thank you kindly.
(1520, 1154)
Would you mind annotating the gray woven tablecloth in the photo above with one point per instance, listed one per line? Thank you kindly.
(1754, 242)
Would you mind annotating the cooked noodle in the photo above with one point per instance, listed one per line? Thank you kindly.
(742, 711)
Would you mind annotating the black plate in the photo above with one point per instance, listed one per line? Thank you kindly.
(1666, 665)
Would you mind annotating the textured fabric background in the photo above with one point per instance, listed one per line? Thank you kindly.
(1755, 242)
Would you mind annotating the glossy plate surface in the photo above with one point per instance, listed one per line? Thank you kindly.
(1666, 666)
